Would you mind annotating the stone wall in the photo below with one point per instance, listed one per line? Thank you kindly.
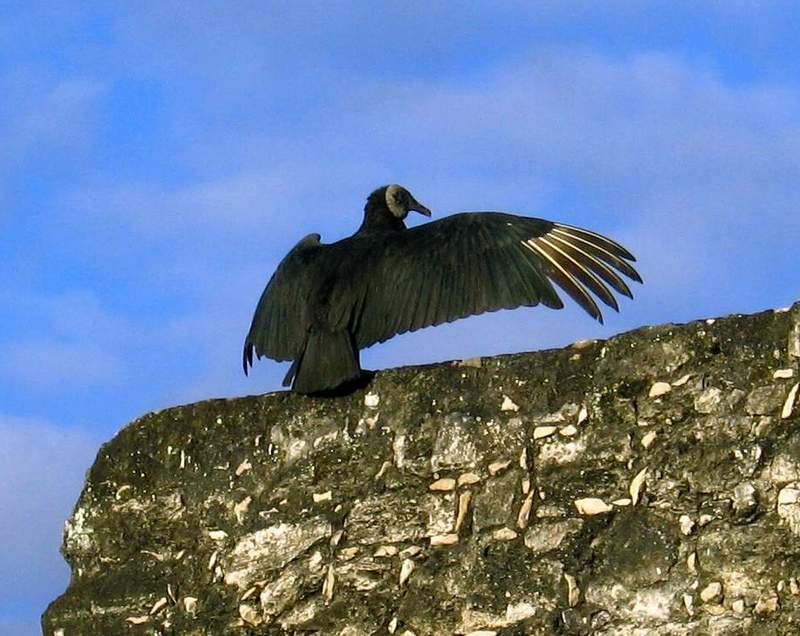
(647, 484)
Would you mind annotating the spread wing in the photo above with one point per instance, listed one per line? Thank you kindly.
(280, 321)
(475, 262)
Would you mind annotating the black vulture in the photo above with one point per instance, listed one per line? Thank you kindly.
(325, 302)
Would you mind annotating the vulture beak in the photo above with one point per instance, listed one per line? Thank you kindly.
(416, 206)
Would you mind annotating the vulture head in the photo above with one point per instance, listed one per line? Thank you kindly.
(399, 201)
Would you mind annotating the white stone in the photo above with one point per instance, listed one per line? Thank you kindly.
(443, 485)
(242, 468)
(504, 534)
(496, 467)
(543, 431)
(648, 439)
(782, 374)
(592, 506)
(568, 431)
(788, 405)
(322, 496)
(573, 591)
(686, 524)
(406, 568)
(711, 591)
(371, 400)
(468, 479)
(635, 487)
(508, 404)
(444, 539)
(683, 379)
(659, 389)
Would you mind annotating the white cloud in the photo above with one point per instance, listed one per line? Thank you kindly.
(42, 466)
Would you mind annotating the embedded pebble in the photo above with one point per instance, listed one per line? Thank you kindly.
(788, 405)
(348, 553)
(592, 506)
(329, 583)
(159, 605)
(137, 620)
(508, 404)
(467, 479)
(525, 512)
(794, 588)
(705, 519)
(744, 498)
(688, 603)
(322, 496)
(217, 535)
(782, 374)
(410, 551)
(190, 604)
(738, 606)
(250, 614)
(444, 539)
(683, 379)
(583, 415)
(636, 485)
(242, 468)
(496, 467)
(504, 534)
(463, 506)
(691, 562)
(711, 591)
(624, 501)
(443, 485)
(543, 431)
(526, 486)
(406, 568)
(212, 561)
(240, 509)
(686, 524)
(385, 551)
(568, 431)
(766, 605)
(648, 439)
(523, 459)
(371, 400)
(573, 591)
(659, 389)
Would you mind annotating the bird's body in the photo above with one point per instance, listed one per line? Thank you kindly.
(326, 302)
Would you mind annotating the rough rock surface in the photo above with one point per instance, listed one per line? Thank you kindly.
(647, 484)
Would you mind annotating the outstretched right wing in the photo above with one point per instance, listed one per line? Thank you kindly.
(470, 263)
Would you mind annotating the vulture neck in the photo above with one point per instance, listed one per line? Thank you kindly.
(378, 218)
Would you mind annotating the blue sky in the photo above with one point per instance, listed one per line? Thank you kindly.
(159, 158)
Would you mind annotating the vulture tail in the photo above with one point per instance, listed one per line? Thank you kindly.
(328, 360)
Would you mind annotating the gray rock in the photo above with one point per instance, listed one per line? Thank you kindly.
(283, 514)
